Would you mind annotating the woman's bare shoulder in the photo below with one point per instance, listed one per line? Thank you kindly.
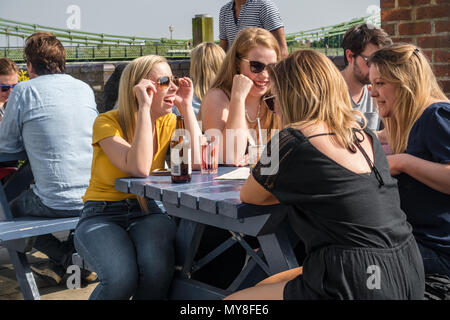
(215, 101)
(215, 108)
(216, 95)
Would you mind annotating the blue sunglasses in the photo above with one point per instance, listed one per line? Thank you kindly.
(6, 87)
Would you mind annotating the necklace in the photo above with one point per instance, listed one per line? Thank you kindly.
(257, 115)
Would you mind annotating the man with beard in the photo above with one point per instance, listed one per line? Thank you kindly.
(359, 43)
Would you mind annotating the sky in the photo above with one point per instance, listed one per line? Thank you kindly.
(151, 18)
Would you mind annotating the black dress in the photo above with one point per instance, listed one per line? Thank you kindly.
(358, 242)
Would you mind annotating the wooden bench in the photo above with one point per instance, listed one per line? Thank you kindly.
(18, 234)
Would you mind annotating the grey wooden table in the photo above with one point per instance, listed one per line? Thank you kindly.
(205, 201)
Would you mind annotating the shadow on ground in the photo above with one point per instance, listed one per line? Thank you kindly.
(10, 290)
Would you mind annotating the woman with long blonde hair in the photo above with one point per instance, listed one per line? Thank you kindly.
(130, 242)
(416, 114)
(235, 103)
(206, 60)
(334, 177)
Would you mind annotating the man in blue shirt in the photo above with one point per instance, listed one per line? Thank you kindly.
(51, 118)
(239, 14)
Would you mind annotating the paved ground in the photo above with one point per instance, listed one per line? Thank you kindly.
(9, 287)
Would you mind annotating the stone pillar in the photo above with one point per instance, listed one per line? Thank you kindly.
(426, 24)
(202, 29)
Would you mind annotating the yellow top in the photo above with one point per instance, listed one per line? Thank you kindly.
(103, 172)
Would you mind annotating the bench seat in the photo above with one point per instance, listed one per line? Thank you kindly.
(26, 227)
(17, 234)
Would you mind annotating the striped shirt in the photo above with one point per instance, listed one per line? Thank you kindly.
(254, 13)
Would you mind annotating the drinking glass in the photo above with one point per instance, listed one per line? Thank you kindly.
(210, 156)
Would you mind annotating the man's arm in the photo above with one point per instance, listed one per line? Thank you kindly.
(224, 45)
(222, 29)
(279, 35)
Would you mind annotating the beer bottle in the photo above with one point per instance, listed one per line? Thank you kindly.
(180, 154)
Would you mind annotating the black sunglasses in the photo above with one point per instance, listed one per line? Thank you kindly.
(256, 66)
(6, 87)
(270, 102)
(164, 82)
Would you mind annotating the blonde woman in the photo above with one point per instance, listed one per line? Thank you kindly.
(206, 59)
(335, 178)
(130, 243)
(235, 103)
(417, 117)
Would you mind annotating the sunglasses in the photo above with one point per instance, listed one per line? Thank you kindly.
(6, 87)
(366, 59)
(256, 66)
(164, 82)
(270, 102)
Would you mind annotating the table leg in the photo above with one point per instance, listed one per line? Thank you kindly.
(24, 275)
(278, 251)
(187, 240)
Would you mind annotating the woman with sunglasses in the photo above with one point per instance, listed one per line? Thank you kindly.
(235, 103)
(344, 204)
(9, 77)
(129, 241)
(416, 114)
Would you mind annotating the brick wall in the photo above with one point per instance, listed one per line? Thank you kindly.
(425, 23)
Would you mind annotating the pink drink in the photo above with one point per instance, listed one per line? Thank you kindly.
(209, 159)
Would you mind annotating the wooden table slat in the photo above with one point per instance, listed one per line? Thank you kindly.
(203, 192)
(191, 198)
(122, 185)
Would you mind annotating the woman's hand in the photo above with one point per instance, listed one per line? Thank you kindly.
(184, 94)
(241, 86)
(144, 91)
(395, 162)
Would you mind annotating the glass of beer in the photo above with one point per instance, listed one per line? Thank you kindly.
(210, 155)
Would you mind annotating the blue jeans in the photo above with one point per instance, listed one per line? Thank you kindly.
(133, 253)
(29, 204)
(434, 262)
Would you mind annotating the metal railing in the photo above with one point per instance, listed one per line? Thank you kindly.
(85, 46)
(332, 31)
(67, 36)
(107, 53)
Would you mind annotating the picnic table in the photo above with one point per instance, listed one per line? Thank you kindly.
(209, 202)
